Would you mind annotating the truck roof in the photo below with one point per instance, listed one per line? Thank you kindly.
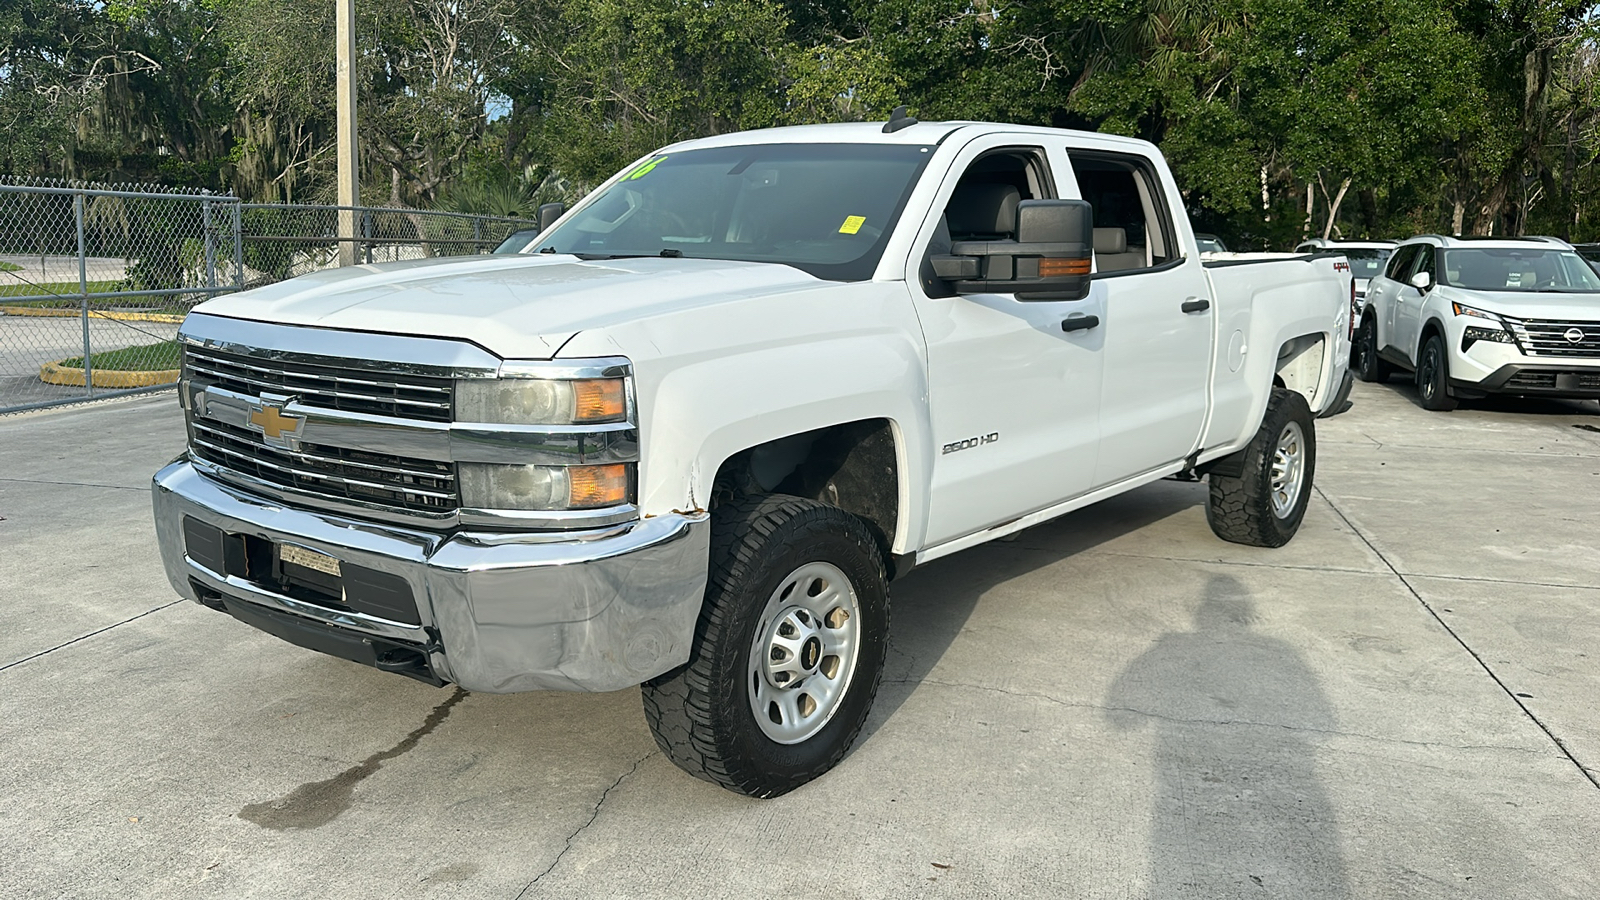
(922, 133)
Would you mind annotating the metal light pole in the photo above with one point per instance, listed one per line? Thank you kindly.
(345, 88)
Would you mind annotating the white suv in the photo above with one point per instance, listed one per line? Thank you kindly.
(1473, 317)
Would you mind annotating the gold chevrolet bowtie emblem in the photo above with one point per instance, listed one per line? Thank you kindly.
(272, 422)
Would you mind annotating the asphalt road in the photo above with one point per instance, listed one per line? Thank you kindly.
(1401, 703)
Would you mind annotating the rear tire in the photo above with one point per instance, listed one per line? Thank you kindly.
(1368, 365)
(1264, 506)
(788, 652)
(1433, 376)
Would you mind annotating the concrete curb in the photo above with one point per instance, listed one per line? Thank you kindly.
(63, 313)
(56, 373)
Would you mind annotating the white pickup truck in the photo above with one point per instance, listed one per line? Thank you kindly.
(689, 436)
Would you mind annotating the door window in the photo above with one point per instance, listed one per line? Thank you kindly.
(1132, 227)
(1400, 266)
(983, 206)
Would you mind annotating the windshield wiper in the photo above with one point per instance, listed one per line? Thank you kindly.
(668, 253)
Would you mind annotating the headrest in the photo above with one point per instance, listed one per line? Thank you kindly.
(1111, 240)
(983, 209)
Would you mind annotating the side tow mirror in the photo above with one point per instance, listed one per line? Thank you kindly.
(549, 213)
(1049, 260)
(1422, 281)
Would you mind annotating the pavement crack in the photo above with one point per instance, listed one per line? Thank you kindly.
(1482, 663)
(316, 803)
(143, 489)
(84, 637)
(1225, 723)
(593, 815)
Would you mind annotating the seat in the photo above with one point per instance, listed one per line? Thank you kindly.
(983, 212)
(1111, 253)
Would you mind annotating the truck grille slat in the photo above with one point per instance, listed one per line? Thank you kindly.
(393, 467)
(241, 451)
(423, 397)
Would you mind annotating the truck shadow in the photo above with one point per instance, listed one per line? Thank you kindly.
(933, 604)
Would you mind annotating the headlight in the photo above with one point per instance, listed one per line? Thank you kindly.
(541, 401)
(1464, 310)
(1474, 334)
(490, 486)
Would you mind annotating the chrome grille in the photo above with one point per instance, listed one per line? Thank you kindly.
(1548, 337)
(330, 386)
(419, 485)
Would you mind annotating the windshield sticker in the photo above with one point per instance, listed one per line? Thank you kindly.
(852, 224)
(644, 170)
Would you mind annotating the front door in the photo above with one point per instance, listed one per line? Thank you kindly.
(1013, 397)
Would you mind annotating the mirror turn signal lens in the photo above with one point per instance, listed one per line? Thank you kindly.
(597, 486)
(1061, 268)
(599, 400)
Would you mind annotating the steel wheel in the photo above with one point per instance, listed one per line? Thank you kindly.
(804, 654)
(1288, 470)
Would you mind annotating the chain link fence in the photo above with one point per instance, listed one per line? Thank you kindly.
(95, 279)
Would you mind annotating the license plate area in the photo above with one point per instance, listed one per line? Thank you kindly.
(310, 570)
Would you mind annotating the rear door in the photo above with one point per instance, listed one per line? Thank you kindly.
(1159, 315)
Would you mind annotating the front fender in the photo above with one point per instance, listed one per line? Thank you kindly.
(714, 381)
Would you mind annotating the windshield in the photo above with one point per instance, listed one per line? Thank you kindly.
(1365, 263)
(1518, 269)
(826, 209)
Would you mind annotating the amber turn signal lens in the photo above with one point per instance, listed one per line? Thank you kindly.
(598, 400)
(1058, 268)
(596, 486)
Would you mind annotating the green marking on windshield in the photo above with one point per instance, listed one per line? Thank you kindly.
(645, 169)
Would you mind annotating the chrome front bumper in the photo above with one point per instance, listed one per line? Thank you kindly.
(597, 611)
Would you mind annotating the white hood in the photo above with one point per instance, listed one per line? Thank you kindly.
(1528, 304)
(515, 306)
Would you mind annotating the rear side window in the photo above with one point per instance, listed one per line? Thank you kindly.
(1132, 227)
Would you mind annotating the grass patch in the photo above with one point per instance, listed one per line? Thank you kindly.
(9, 267)
(62, 292)
(146, 358)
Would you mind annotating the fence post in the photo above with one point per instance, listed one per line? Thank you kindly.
(211, 244)
(238, 243)
(83, 295)
(366, 234)
(477, 235)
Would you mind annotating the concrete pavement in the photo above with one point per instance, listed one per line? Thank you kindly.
(1400, 703)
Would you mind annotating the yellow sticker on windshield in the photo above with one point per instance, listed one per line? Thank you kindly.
(852, 224)
(644, 170)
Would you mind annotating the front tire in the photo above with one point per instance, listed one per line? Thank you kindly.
(1433, 376)
(788, 652)
(1264, 505)
(1369, 365)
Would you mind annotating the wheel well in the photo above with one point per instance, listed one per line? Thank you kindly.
(1431, 327)
(1299, 367)
(853, 466)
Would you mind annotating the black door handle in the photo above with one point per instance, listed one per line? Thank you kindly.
(1080, 323)
(1194, 305)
